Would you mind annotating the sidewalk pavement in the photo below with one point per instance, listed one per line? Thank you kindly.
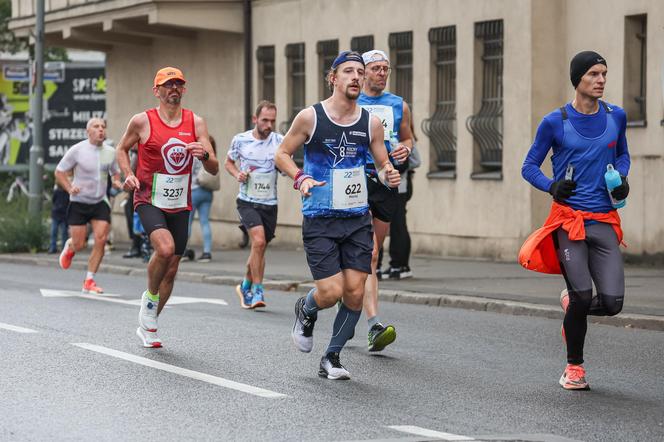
(471, 284)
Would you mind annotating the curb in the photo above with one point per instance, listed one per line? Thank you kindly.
(477, 303)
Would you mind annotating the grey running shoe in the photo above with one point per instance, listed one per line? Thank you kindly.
(331, 368)
(381, 336)
(303, 328)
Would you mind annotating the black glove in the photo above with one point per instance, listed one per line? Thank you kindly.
(562, 189)
(621, 192)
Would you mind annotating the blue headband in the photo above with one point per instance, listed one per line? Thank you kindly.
(347, 56)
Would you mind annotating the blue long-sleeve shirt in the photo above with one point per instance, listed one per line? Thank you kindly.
(589, 174)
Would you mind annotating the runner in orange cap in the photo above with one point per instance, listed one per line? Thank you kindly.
(168, 138)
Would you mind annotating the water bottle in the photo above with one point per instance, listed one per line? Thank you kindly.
(394, 142)
(613, 180)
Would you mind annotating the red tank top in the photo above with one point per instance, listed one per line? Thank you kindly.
(164, 153)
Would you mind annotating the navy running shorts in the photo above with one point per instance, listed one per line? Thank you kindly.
(335, 244)
(153, 218)
(255, 214)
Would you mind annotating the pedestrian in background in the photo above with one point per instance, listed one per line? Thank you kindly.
(59, 223)
(203, 184)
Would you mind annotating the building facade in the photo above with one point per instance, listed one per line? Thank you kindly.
(479, 76)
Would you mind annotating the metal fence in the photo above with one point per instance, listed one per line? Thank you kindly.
(401, 46)
(486, 125)
(440, 127)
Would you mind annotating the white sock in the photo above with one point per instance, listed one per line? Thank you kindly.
(90, 275)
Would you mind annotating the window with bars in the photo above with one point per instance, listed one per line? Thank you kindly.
(265, 59)
(486, 125)
(401, 61)
(362, 44)
(634, 78)
(296, 90)
(440, 127)
(327, 51)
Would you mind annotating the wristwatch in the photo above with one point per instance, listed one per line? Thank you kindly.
(206, 156)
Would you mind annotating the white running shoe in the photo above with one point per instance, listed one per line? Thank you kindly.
(331, 368)
(147, 316)
(150, 339)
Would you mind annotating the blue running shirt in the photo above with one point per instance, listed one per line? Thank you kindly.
(589, 142)
(337, 154)
(256, 157)
(389, 110)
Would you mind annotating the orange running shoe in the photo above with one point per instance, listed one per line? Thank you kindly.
(90, 287)
(66, 255)
(574, 378)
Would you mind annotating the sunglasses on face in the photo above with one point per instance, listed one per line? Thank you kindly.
(173, 83)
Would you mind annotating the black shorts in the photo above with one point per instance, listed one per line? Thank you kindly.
(153, 218)
(383, 201)
(254, 214)
(334, 244)
(79, 214)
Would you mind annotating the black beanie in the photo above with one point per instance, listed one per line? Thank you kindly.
(581, 63)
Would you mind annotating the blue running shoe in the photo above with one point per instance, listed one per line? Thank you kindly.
(258, 299)
(244, 295)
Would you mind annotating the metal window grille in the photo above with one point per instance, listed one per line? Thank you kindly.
(486, 125)
(441, 126)
(265, 58)
(362, 44)
(296, 90)
(327, 51)
(634, 98)
(401, 46)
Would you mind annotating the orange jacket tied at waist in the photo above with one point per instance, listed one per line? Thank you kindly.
(538, 253)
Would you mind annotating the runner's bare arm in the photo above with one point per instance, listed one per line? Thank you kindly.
(203, 145)
(231, 167)
(386, 173)
(62, 178)
(405, 146)
(298, 133)
(132, 136)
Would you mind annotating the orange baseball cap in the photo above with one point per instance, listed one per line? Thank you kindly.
(167, 73)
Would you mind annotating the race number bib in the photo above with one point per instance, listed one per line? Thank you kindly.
(386, 116)
(349, 188)
(170, 191)
(262, 186)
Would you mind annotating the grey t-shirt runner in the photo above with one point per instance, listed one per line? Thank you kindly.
(92, 165)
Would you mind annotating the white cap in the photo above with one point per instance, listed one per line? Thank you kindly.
(374, 55)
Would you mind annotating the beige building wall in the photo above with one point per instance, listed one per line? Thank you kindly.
(450, 217)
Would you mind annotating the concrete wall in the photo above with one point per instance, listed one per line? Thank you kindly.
(461, 216)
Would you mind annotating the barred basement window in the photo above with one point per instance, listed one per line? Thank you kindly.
(634, 78)
(401, 60)
(441, 126)
(265, 59)
(296, 90)
(486, 125)
(362, 44)
(327, 51)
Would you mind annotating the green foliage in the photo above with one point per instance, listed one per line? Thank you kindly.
(20, 232)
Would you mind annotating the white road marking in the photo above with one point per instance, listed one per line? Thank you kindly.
(183, 371)
(16, 328)
(109, 297)
(419, 431)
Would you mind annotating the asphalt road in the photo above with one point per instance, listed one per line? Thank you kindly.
(71, 368)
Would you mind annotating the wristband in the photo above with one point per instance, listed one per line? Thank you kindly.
(300, 179)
